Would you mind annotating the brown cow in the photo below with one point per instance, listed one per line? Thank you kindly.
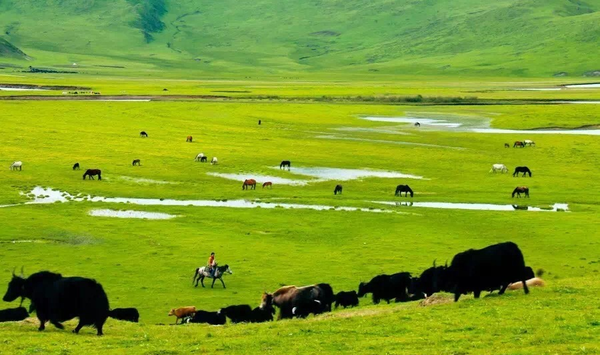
(182, 312)
(300, 301)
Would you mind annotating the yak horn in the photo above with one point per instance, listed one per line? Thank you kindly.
(434, 260)
(13, 272)
(22, 268)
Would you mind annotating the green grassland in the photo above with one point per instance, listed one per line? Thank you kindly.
(340, 38)
(149, 264)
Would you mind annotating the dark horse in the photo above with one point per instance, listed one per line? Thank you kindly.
(417, 124)
(249, 184)
(202, 272)
(91, 172)
(519, 144)
(143, 134)
(404, 188)
(204, 159)
(519, 190)
(76, 166)
(189, 139)
(506, 145)
(522, 169)
(284, 164)
(136, 162)
(338, 189)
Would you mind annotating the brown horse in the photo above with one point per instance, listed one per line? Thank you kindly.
(268, 184)
(300, 301)
(519, 144)
(136, 162)
(91, 173)
(249, 184)
(189, 139)
(521, 190)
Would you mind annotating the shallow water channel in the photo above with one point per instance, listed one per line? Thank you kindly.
(456, 124)
(562, 207)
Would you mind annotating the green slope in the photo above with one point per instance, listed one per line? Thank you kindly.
(458, 37)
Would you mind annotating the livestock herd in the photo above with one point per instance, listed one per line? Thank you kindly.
(56, 299)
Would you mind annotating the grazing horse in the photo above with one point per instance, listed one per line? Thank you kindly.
(506, 145)
(204, 159)
(268, 184)
(417, 124)
(519, 144)
(91, 172)
(404, 188)
(136, 162)
(189, 139)
(338, 189)
(203, 272)
(214, 161)
(519, 190)
(284, 164)
(199, 157)
(249, 184)
(143, 134)
(499, 167)
(76, 166)
(17, 164)
(522, 169)
(529, 143)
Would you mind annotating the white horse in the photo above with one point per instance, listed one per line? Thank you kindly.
(214, 161)
(17, 164)
(199, 157)
(499, 167)
(529, 142)
(203, 272)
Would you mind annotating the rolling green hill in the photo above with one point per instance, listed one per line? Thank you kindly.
(401, 37)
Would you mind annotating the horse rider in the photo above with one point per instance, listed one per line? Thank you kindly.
(212, 265)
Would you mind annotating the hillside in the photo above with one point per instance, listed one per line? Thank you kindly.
(459, 37)
(7, 50)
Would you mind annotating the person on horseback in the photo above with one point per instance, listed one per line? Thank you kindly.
(212, 265)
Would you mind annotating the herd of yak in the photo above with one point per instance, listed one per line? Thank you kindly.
(56, 299)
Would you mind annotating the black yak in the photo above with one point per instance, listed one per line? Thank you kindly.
(487, 269)
(264, 312)
(346, 299)
(126, 314)
(387, 287)
(13, 314)
(237, 314)
(57, 299)
(213, 318)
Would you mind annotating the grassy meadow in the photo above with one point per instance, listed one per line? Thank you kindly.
(149, 264)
